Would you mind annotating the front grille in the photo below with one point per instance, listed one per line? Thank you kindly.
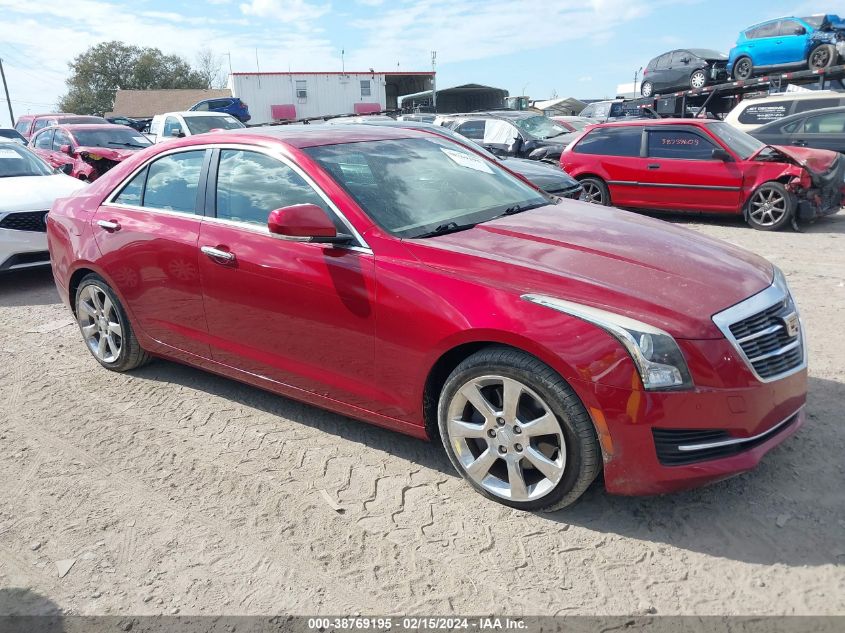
(25, 221)
(668, 443)
(766, 331)
(766, 342)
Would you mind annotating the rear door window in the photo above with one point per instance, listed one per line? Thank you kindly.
(173, 181)
(44, 140)
(612, 141)
(789, 27)
(764, 30)
(679, 144)
(805, 105)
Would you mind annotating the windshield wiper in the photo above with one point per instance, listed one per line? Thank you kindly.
(518, 208)
(127, 144)
(444, 229)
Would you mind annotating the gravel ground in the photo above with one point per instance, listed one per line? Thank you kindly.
(173, 490)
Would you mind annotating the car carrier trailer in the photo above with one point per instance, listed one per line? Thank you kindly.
(716, 100)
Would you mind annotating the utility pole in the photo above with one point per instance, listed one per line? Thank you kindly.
(8, 101)
(434, 80)
(636, 74)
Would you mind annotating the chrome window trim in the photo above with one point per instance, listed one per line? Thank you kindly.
(740, 440)
(755, 304)
(273, 153)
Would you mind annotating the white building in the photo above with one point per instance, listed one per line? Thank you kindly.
(301, 95)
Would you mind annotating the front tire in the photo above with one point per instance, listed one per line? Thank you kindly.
(515, 430)
(105, 326)
(595, 191)
(821, 57)
(771, 207)
(743, 68)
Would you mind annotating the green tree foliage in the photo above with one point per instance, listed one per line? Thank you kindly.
(98, 72)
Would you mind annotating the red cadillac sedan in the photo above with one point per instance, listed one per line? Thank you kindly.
(704, 166)
(397, 277)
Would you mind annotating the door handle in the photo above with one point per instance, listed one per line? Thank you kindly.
(218, 255)
(108, 225)
(654, 166)
(800, 142)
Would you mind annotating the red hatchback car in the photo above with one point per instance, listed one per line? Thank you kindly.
(397, 277)
(704, 166)
(87, 151)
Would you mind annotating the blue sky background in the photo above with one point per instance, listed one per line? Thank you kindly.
(580, 48)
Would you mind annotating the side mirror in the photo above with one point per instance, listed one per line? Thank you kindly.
(305, 223)
(685, 60)
(67, 168)
(722, 154)
(177, 132)
(65, 149)
(800, 30)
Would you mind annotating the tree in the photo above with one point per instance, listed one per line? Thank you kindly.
(98, 72)
(208, 67)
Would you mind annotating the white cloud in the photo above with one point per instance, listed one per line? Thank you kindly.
(285, 10)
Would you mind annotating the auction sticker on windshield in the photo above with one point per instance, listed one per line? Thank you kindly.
(466, 160)
(9, 153)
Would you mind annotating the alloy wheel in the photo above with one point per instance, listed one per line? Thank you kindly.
(820, 57)
(100, 323)
(768, 206)
(743, 68)
(698, 79)
(591, 193)
(506, 438)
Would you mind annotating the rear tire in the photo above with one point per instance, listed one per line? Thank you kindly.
(516, 431)
(105, 326)
(771, 207)
(743, 68)
(595, 191)
(647, 89)
(822, 56)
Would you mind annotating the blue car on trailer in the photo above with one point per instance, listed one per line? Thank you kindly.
(813, 42)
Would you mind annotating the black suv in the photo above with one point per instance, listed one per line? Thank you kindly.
(684, 69)
(514, 133)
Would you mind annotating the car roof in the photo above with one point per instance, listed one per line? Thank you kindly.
(301, 136)
(650, 122)
(502, 114)
(184, 113)
(89, 126)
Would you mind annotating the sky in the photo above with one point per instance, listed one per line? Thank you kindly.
(539, 48)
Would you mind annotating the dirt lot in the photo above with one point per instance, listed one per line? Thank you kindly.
(173, 489)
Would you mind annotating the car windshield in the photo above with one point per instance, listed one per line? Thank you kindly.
(578, 125)
(539, 127)
(706, 53)
(122, 137)
(416, 187)
(16, 160)
(202, 124)
(741, 143)
(463, 140)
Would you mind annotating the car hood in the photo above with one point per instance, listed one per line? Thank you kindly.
(816, 161)
(35, 193)
(110, 153)
(543, 175)
(647, 269)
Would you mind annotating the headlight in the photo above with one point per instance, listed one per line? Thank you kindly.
(655, 353)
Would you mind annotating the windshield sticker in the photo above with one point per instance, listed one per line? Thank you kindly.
(466, 160)
(139, 139)
(9, 153)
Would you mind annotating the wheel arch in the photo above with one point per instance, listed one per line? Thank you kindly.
(456, 353)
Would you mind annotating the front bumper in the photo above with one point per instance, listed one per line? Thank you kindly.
(629, 419)
(22, 249)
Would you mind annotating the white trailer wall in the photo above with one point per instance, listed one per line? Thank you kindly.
(327, 93)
